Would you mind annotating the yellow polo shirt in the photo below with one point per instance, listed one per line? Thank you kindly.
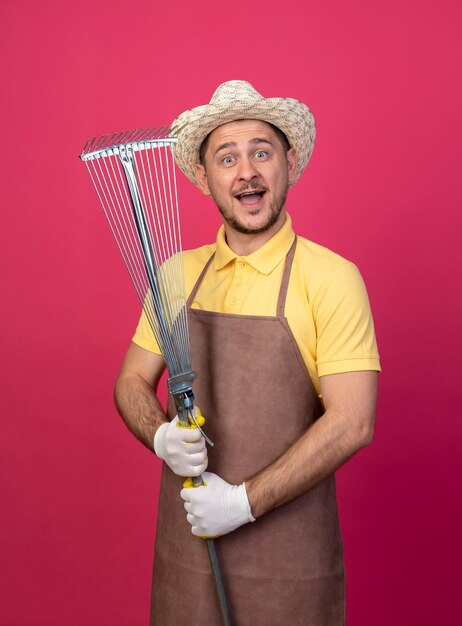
(327, 307)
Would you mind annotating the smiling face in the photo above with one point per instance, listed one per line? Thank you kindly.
(246, 170)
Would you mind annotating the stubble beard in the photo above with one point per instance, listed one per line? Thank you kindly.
(275, 209)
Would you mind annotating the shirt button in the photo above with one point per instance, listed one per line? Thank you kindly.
(238, 283)
(241, 265)
(232, 300)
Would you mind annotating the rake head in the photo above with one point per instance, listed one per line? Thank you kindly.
(99, 146)
(134, 176)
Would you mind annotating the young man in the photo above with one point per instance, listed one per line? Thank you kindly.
(276, 323)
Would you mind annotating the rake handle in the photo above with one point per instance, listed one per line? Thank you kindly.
(211, 545)
(219, 584)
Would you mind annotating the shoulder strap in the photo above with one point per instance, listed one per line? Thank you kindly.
(285, 280)
(195, 289)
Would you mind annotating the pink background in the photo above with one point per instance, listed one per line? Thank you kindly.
(78, 493)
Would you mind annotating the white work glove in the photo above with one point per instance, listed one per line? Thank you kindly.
(216, 508)
(181, 447)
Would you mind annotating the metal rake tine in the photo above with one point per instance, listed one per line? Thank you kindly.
(100, 142)
(160, 134)
(131, 135)
(152, 132)
(145, 134)
(109, 142)
(165, 130)
(115, 139)
(118, 138)
(138, 134)
(90, 147)
(124, 136)
(104, 142)
(155, 132)
(149, 133)
(85, 147)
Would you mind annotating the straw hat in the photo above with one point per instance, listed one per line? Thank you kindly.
(237, 100)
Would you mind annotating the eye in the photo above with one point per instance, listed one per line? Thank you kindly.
(261, 154)
(228, 159)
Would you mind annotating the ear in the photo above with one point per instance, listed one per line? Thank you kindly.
(292, 164)
(201, 177)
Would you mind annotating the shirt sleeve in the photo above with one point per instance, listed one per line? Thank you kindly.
(172, 298)
(345, 328)
(144, 337)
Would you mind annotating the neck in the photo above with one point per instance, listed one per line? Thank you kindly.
(244, 244)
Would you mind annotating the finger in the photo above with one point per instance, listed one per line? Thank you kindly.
(187, 506)
(200, 466)
(194, 448)
(190, 435)
(196, 459)
(191, 519)
(204, 461)
(197, 470)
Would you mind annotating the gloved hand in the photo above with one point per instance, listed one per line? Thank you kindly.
(181, 447)
(216, 508)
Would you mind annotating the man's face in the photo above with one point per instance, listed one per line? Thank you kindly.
(247, 170)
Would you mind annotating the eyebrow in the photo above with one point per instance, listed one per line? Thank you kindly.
(233, 144)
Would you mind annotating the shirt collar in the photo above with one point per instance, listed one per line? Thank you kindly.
(266, 258)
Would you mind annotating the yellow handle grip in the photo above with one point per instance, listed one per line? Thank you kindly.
(193, 483)
(196, 481)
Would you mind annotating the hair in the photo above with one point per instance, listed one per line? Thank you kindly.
(279, 134)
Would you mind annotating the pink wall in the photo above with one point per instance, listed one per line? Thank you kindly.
(78, 494)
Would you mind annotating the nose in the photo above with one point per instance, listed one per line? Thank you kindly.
(247, 170)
